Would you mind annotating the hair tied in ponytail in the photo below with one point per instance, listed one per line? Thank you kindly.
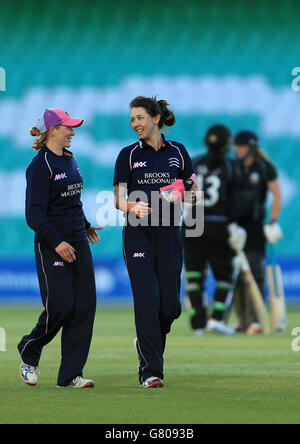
(167, 115)
(40, 138)
(154, 107)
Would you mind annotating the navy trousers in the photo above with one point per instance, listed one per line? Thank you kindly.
(153, 256)
(68, 293)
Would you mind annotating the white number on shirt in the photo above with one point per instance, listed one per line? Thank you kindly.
(212, 185)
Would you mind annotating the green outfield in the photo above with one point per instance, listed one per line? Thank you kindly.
(208, 379)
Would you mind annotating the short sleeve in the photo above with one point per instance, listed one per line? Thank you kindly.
(122, 168)
(271, 172)
(188, 169)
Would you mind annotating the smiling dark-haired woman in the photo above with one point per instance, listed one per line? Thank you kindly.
(152, 244)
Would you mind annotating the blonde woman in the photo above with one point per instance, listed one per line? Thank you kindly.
(63, 257)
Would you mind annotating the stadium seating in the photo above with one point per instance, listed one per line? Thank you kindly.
(92, 51)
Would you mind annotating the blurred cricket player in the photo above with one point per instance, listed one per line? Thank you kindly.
(222, 238)
(258, 177)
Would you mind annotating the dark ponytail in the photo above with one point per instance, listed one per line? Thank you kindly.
(155, 107)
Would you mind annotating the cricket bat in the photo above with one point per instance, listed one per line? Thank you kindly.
(255, 294)
(276, 294)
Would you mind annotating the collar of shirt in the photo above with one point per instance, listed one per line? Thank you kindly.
(144, 144)
(65, 151)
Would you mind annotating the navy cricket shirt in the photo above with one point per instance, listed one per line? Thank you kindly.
(53, 198)
(142, 169)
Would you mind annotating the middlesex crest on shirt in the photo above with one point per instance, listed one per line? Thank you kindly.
(143, 171)
(151, 172)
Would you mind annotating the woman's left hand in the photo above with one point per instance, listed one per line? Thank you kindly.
(92, 234)
(194, 195)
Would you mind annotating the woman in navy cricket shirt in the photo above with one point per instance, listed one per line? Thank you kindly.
(152, 248)
(63, 257)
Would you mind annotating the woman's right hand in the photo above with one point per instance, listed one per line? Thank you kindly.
(66, 252)
(141, 209)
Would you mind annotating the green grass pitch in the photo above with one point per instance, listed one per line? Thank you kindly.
(212, 379)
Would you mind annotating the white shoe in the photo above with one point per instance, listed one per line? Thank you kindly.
(29, 374)
(220, 327)
(152, 382)
(199, 332)
(79, 382)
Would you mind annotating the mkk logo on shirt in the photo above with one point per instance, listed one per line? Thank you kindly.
(140, 165)
(58, 264)
(139, 255)
(60, 176)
